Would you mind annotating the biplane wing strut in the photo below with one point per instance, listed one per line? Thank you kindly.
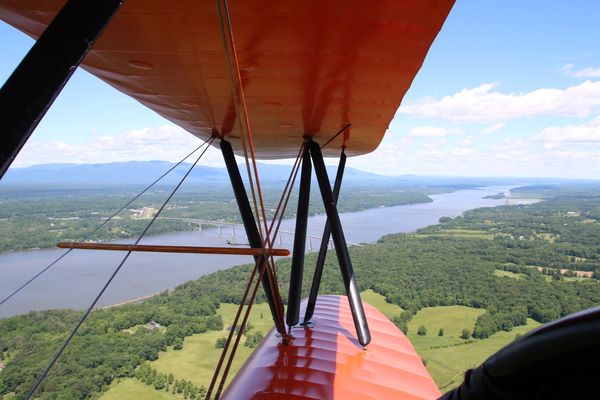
(334, 227)
(36, 82)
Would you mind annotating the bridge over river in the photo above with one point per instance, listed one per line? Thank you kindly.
(229, 225)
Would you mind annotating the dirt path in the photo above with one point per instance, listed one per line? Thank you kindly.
(127, 301)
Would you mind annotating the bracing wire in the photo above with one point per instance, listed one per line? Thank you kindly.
(285, 197)
(105, 222)
(91, 307)
(241, 110)
(336, 135)
(240, 332)
(235, 324)
(278, 217)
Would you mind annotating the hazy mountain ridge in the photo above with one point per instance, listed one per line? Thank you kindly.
(138, 172)
(146, 172)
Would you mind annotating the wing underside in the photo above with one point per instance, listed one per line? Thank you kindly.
(306, 68)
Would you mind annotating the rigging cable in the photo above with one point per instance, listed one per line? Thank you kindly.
(281, 211)
(242, 112)
(105, 222)
(244, 123)
(336, 135)
(272, 233)
(239, 102)
(91, 307)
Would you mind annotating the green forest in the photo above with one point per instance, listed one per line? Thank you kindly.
(539, 261)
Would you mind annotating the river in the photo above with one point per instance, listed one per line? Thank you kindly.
(76, 280)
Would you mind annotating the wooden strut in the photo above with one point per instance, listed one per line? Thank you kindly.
(174, 249)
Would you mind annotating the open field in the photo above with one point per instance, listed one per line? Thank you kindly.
(501, 273)
(448, 365)
(198, 358)
(452, 319)
(133, 389)
(447, 356)
(378, 301)
(197, 361)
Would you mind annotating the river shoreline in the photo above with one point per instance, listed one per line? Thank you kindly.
(73, 282)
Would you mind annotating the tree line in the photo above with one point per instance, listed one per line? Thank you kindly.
(31, 219)
(432, 267)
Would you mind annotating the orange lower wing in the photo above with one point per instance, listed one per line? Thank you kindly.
(327, 362)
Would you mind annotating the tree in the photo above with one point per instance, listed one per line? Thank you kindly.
(150, 377)
(466, 334)
(160, 381)
(254, 339)
(422, 331)
(441, 332)
(220, 343)
(178, 344)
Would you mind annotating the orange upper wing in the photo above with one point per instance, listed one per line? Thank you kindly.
(307, 67)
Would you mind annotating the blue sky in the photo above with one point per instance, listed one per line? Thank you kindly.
(509, 88)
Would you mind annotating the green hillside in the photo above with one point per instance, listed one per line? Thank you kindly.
(432, 279)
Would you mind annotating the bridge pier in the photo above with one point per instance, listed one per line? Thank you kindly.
(219, 229)
(233, 231)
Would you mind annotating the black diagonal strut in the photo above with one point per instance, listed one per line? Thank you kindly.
(251, 228)
(293, 312)
(314, 290)
(35, 83)
(341, 249)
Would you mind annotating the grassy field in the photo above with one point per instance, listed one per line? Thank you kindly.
(134, 389)
(378, 301)
(447, 356)
(447, 365)
(197, 361)
(198, 358)
(452, 319)
(509, 274)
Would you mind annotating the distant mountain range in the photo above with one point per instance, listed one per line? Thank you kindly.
(146, 172)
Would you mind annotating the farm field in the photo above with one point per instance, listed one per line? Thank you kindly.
(447, 357)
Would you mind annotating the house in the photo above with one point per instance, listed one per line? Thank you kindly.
(152, 326)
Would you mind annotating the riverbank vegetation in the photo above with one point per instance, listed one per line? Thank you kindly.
(33, 218)
(542, 251)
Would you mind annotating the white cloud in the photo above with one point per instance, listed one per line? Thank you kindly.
(467, 142)
(570, 135)
(567, 69)
(168, 143)
(433, 132)
(491, 129)
(463, 152)
(587, 73)
(582, 73)
(436, 143)
(142, 138)
(482, 105)
(508, 158)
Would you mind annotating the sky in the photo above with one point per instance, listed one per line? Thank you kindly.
(509, 88)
